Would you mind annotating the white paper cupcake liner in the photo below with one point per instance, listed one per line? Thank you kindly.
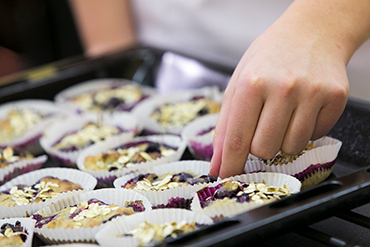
(108, 236)
(200, 146)
(106, 178)
(56, 131)
(321, 159)
(27, 224)
(145, 108)
(21, 167)
(73, 245)
(64, 97)
(109, 196)
(183, 192)
(85, 180)
(29, 140)
(232, 209)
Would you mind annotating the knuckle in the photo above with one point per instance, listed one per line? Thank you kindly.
(262, 152)
(236, 144)
(292, 149)
(340, 92)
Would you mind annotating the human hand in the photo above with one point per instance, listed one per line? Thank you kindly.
(290, 87)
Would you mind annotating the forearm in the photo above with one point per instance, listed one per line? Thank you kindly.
(104, 26)
(340, 25)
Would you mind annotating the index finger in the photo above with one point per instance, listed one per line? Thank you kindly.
(244, 112)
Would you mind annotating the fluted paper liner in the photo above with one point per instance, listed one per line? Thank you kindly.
(19, 167)
(145, 108)
(73, 245)
(29, 140)
(27, 224)
(109, 196)
(85, 180)
(65, 97)
(162, 197)
(200, 146)
(107, 177)
(125, 121)
(232, 209)
(108, 236)
(314, 166)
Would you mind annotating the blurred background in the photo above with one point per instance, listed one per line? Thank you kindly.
(40, 38)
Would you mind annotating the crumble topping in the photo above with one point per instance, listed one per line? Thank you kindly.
(90, 133)
(109, 98)
(146, 233)
(89, 213)
(179, 114)
(43, 190)
(153, 182)
(231, 191)
(128, 156)
(283, 159)
(18, 122)
(7, 156)
(13, 235)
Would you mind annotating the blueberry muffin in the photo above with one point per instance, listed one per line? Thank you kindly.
(17, 122)
(179, 114)
(44, 189)
(231, 191)
(89, 134)
(119, 98)
(154, 182)
(13, 235)
(128, 155)
(8, 156)
(147, 233)
(86, 214)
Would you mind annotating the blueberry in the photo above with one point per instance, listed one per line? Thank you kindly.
(181, 177)
(152, 147)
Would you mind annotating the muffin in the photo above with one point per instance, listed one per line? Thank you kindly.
(242, 193)
(169, 185)
(27, 193)
(311, 167)
(114, 158)
(79, 217)
(14, 163)
(16, 232)
(169, 113)
(44, 189)
(145, 229)
(86, 214)
(65, 140)
(22, 123)
(105, 94)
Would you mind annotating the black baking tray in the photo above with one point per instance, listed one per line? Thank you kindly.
(347, 188)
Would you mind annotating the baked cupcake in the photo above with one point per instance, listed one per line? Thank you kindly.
(151, 228)
(114, 158)
(16, 232)
(22, 123)
(78, 217)
(107, 94)
(242, 193)
(66, 139)
(14, 163)
(311, 167)
(169, 113)
(169, 185)
(29, 192)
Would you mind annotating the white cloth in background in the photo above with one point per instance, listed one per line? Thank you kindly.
(219, 31)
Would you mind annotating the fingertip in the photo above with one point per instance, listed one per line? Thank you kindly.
(215, 165)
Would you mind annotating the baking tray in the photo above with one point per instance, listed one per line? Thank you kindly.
(348, 187)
